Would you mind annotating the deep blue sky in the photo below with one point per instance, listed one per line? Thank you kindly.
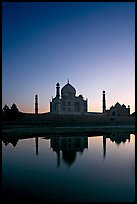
(92, 44)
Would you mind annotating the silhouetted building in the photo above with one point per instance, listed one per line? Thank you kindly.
(133, 114)
(118, 110)
(36, 104)
(68, 103)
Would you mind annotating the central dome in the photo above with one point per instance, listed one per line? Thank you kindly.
(68, 90)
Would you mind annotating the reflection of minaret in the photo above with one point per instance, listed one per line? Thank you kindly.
(104, 102)
(36, 104)
(58, 158)
(104, 146)
(55, 145)
(36, 140)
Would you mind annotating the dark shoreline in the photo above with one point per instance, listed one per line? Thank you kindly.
(31, 125)
(33, 131)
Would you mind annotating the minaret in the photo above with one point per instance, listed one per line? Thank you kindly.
(58, 90)
(58, 108)
(36, 104)
(104, 102)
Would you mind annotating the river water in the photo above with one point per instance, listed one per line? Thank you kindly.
(69, 169)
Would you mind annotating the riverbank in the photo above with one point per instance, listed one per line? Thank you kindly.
(60, 124)
(45, 131)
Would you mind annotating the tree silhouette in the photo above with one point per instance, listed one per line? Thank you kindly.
(5, 112)
(6, 109)
(14, 109)
(10, 113)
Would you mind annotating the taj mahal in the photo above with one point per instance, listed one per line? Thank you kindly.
(67, 102)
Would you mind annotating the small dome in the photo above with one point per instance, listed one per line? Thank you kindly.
(117, 105)
(68, 90)
(80, 96)
(58, 84)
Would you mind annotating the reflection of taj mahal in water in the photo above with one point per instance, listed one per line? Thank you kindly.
(68, 103)
(66, 148)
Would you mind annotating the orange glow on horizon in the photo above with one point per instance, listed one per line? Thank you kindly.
(29, 109)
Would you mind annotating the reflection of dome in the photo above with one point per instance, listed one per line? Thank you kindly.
(68, 90)
(68, 156)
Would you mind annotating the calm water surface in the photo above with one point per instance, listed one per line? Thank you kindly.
(86, 169)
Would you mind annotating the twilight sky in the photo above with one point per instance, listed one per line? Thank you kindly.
(91, 43)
